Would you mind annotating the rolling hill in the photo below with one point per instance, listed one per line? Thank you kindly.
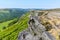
(12, 21)
(12, 31)
(9, 14)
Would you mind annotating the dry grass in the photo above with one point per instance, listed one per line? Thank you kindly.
(54, 21)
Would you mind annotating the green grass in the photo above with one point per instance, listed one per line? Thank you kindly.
(5, 24)
(11, 33)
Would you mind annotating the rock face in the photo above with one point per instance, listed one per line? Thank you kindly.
(27, 36)
(35, 30)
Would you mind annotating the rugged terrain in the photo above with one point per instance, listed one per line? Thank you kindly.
(43, 25)
(34, 25)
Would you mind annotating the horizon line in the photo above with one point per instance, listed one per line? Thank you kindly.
(31, 8)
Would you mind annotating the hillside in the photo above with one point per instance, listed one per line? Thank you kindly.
(11, 32)
(38, 25)
(43, 25)
(9, 14)
(4, 25)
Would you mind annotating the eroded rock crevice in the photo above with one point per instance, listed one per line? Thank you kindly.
(42, 26)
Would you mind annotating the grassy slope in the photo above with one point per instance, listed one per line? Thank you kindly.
(5, 24)
(11, 33)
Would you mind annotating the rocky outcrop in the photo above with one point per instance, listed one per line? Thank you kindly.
(35, 31)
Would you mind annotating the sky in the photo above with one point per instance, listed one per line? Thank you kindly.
(46, 4)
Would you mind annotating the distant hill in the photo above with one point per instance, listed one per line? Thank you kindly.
(11, 13)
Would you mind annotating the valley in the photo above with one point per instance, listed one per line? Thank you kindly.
(12, 21)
